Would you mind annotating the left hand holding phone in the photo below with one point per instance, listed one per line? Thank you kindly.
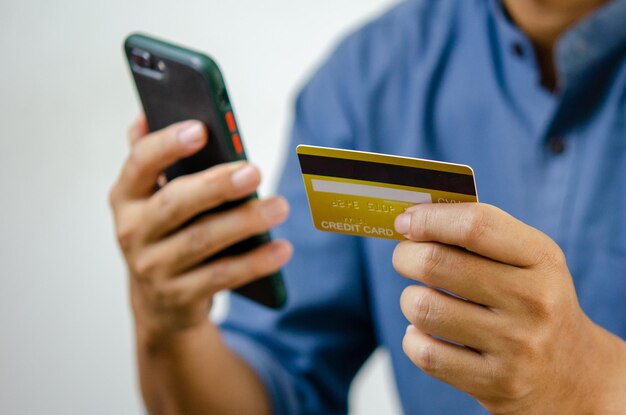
(171, 285)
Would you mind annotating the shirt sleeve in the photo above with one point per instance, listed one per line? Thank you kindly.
(307, 353)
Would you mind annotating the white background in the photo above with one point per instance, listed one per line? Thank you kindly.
(65, 101)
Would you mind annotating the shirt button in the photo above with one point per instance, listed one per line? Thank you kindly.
(518, 49)
(556, 145)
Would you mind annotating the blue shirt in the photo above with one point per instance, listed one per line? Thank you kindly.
(450, 80)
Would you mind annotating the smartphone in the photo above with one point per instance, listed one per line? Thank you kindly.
(175, 84)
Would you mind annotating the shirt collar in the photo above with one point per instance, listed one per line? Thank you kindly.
(583, 50)
(593, 46)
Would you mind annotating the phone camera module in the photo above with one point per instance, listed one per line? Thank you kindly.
(141, 58)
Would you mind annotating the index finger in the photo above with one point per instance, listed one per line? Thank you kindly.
(478, 227)
(156, 151)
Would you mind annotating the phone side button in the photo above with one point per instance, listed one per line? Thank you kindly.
(230, 122)
(237, 144)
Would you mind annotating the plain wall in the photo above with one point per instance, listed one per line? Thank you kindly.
(66, 99)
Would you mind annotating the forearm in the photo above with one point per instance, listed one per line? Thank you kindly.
(194, 372)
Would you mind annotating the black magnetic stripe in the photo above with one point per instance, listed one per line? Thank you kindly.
(387, 173)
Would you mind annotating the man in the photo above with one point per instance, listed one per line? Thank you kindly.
(532, 94)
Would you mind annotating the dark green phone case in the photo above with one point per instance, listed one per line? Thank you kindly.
(176, 84)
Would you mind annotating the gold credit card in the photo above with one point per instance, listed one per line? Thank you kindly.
(361, 193)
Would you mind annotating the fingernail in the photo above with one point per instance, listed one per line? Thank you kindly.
(403, 223)
(280, 252)
(244, 177)
(273, 210)
(191, 134)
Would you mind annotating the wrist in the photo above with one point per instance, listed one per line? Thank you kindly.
(156, 324)
(154, 340)
(158, 330)
(607, 380)
(613, 393)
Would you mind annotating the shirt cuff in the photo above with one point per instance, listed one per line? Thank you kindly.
(278, 383)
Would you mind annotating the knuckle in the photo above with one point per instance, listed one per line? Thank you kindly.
(540, 303)
(552, 258)
(427, 358)
(137, 159)
(492, 371)
(210, 177)
(165, 140)
(513, 383)
(198, 239)
(528, 346)
(124, 232)
(218, 180)
(145, 266)
(168, 205)
(220, 275)
(546, 307)
(245, 268)
(534, 346)
(513, 338)
(425, 311)
(168, 296)
(476, 224)
(420, 223)
(255, 265)
(249, 218)
(429, 257)
(257, 219)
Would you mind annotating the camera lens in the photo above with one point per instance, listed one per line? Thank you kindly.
(141, 58)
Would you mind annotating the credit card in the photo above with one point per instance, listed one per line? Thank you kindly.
(361, 193)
